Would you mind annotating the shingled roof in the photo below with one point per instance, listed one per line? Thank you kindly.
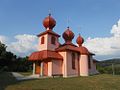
(44, 55)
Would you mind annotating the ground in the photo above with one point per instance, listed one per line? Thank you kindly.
(96, 82)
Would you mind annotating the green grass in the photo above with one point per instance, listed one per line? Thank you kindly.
(96, 82)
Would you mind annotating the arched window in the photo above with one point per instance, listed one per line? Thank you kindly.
(42, 40)
(89, 64)
(73, 60)
(53, 40)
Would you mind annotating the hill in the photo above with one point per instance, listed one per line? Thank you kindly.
(109, 66)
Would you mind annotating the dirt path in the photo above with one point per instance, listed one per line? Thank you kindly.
(19, 76)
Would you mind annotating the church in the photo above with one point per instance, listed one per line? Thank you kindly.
(56, 59)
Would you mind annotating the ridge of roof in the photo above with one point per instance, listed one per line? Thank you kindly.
(49, 32)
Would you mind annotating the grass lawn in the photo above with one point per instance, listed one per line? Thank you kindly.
(96, 82)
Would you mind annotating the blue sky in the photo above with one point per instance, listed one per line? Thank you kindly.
(91, 18)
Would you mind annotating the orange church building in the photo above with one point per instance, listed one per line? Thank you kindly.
(55, 59)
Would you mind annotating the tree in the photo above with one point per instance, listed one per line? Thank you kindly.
(2, 48)
(10, 62)
(2, 53)
(5, 57)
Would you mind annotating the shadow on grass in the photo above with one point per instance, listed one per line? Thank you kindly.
(6, 79)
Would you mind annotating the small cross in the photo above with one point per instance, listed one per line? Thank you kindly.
(49, 12)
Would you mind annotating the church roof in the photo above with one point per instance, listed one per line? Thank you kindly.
(82, 50)
(49, 32)
(79, 40)
(45, 54)
(68, 35)
(67, 47)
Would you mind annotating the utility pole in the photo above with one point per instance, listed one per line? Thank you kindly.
(113, 70)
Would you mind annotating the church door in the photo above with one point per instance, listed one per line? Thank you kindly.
(37, 68)
(45, 69)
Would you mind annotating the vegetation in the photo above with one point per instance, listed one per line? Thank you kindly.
(10, 62)
(6, 79)
(111, 66)
(96, 82)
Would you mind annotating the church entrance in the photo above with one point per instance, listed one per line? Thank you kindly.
(37, 68)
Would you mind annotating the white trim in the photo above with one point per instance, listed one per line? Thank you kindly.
(33, 68)
(41, 73)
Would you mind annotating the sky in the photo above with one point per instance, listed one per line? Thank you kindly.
(98, 21)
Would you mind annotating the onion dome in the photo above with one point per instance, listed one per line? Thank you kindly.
(79, 40)
(49, 22)
(68, 35)
(83, 50)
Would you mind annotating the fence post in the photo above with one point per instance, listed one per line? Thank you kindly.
(113, 70)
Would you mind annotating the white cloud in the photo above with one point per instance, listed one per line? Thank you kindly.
(107, 46)
(24, 45)
(3, 39)
(116, 29)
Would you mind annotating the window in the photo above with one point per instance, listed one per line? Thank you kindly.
(42, 40)
(73, 60)
(53, 40)
(89, 64)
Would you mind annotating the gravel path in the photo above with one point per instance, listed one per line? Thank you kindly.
(19, 77)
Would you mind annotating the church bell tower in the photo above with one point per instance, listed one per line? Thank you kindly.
(48, 40)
